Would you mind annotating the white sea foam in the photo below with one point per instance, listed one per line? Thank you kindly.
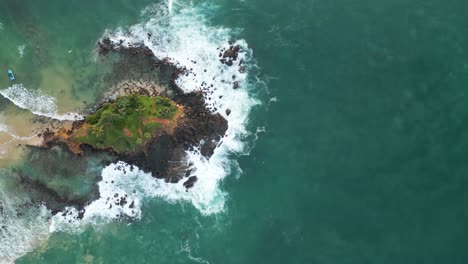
(186, 250)
(123, 181)
(21, 50)
(186, 39)
(170, 6)
(22, 227)
(120, 182)
(36, 102)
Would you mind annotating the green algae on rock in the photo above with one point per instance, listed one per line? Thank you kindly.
(125, 124)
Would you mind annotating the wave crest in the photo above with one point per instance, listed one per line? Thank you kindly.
(36, 102)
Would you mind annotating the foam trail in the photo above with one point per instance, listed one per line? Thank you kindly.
(170, 6)
(21, 50)
(36, 102)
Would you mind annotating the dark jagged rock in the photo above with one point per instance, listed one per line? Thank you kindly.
(232, 52)
(105, 46)
(230, 55)
(122, 201)
(190, 182)
(81, 213)
(164, 156)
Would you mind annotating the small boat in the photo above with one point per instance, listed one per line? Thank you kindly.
(11, 75)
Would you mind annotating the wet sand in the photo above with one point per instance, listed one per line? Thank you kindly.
(23, 128)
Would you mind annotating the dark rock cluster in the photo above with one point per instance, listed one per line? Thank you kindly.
(229, 55)
(164, 156)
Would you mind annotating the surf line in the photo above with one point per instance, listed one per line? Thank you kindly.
(37, 103)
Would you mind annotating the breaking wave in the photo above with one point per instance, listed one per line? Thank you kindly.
(122, 190)
(36, 102)
(22, 227)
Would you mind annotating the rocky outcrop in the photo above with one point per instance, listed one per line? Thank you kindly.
(164, 156)
(51, 171)
(229, 55)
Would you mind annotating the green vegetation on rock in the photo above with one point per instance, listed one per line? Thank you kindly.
(126, 123)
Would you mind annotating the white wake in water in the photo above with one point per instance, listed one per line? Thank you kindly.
(36, 102)
(21, 50)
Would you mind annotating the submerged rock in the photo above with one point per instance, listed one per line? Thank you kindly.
(59, 178)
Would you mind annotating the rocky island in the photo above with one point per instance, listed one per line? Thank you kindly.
(144, 124)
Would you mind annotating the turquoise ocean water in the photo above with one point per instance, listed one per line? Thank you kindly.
(355, 150)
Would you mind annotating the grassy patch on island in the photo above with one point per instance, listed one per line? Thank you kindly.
(126, 123)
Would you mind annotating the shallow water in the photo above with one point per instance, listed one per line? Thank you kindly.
(359, 115)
